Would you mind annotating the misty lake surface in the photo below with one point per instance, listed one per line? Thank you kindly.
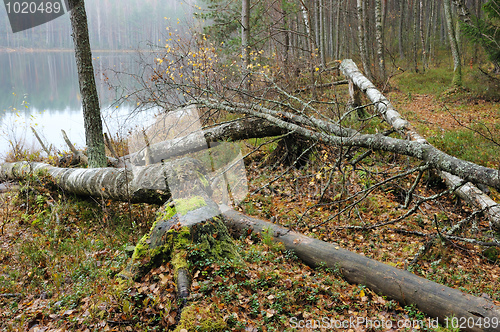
(40, 89)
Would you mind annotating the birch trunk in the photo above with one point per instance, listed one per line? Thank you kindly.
(468, 192)
(322, 32)
(415, 35)
(379, 34)
(457, 65)
(422, 37)
(307, 23)
(337, 30)
(138, 184)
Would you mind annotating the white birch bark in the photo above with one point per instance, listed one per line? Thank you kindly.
(457, 65)
(379, 35)
(469, 192)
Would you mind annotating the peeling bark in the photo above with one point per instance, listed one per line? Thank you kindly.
(137, 184)
(455, 51)
(468, 192)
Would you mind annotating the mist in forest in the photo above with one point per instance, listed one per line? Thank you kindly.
(113, 25)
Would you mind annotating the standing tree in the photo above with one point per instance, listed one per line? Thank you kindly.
(485, 32)
(379, 34)
(457, 66)
(362, 38)
(245, 31)
(90, 100)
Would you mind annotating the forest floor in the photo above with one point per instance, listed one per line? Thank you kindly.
(59, 254)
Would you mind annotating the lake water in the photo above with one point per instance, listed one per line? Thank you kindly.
(41, 90)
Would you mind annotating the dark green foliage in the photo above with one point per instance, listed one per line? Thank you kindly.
(486, 31)
(225, 28)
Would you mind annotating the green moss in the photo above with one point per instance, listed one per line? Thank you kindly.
(166, 241)
(142, 248)
(201, 318)
(185, 205)
(203, 179)
(213, 238)
(181, 243)
(165, 214)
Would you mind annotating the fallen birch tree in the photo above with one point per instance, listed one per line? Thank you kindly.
(335, 135)
(194, 218)
(470, 193)
(239, 129)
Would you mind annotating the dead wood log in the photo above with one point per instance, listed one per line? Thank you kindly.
(433, 157)
(470, 193)
(433, 299)
(320, 86)
(233, 130)
(47, 150)
(82, 157)
(135, 184)
(8, 187)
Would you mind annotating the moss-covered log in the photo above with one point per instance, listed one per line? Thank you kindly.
(180, 224)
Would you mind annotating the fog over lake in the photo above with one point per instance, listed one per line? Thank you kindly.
(40, 89)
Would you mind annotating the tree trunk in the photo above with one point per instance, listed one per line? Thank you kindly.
(361, 37)
(463, 12)
(306, 14)
(457, 65)
(90, 101)
(422, 37)
(415, 35)
(401, 24)
(286, 31)
(335, 135)
(430, 27)
(379, 33)
(321, 32)
(469, 192)
(337, 30)
(191, 219)
(307, 23)
(236, 130)
(433, 299)
(145, 184)
(245, 33)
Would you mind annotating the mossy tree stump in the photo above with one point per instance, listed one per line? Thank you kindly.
(190, 218)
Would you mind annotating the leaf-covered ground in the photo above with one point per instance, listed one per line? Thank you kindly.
(59, 254)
